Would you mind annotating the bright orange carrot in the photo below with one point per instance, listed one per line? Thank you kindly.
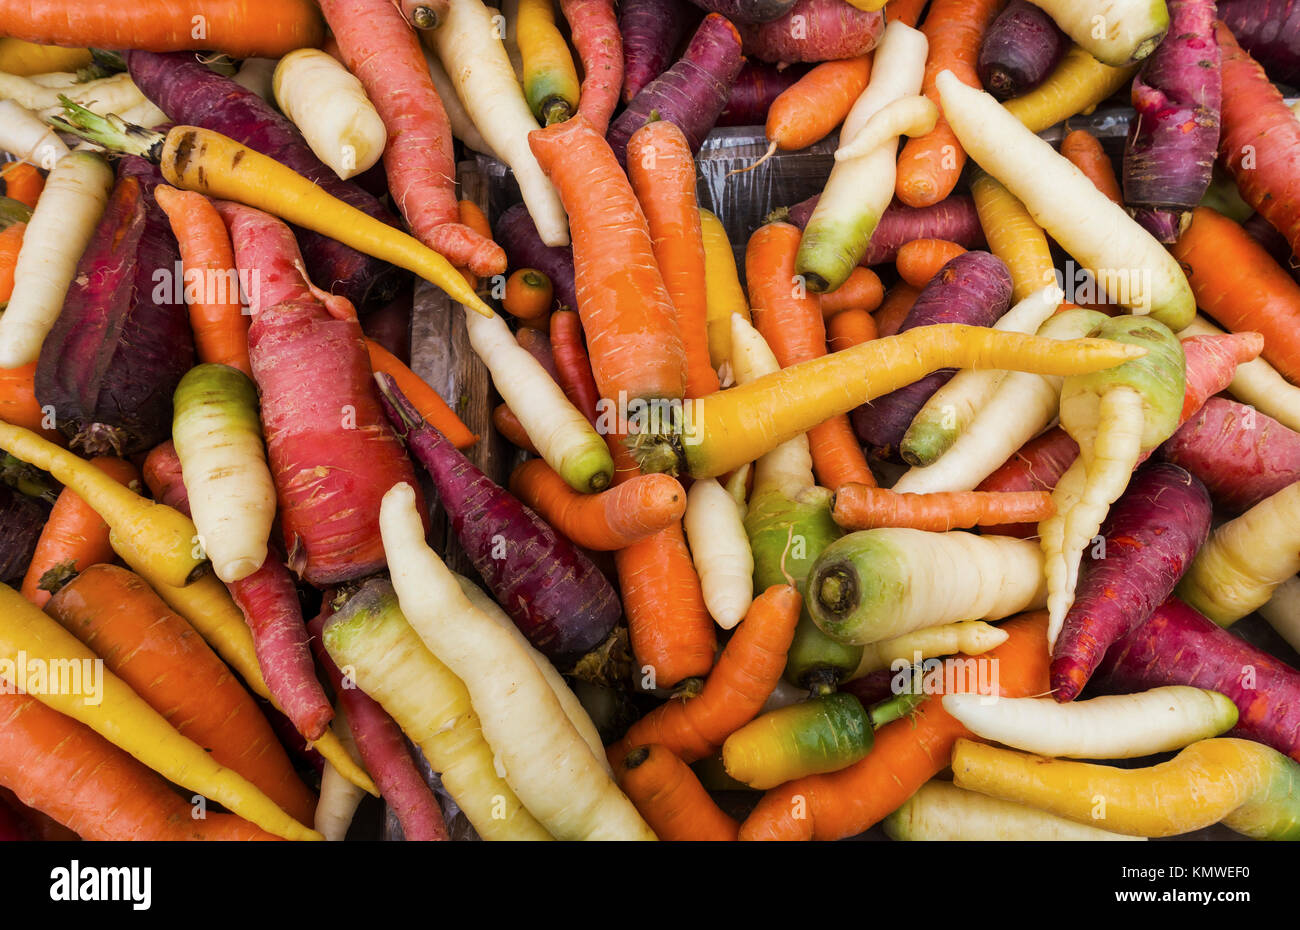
(475, 219)
(626, 312)
(863, 508)
(661, 167)
(930, 165)
(907, 753)
(810, 110)
(790, 319)
(671, 798)
(18, 402)
(848, 329)
(528, 294)
(117, 615)
(11, 240)
(572, 367)
(75, 536)
(862, 291)
(905, 11)
(23, 183)
(748, 669)
(894, 308)
(614, 519)
(428, 401)
(217, 316)
(920, 260)
(508, 425)
(1083, 151)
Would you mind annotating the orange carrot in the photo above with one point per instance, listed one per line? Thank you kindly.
(217, 316)
(23, 183)
(790, 319)
(1083, 151)
(11, 240)
(381, 49)
(528, 294)
(864, 508)
(70, 773)
(907, 12)
(508, 425)
(1238, 284)
(930, 165)
(748, 669)
(75, 536)
(626, 312)
(428, 401)
(848, 329)
(475, 219)
(920, 260)
(117, 615)
(572, 367)
(661, 167)
(895, 307)
(614, 519)
(18, 402)
(862, 291)
(671, 798)
(810, 110)
(907, 753)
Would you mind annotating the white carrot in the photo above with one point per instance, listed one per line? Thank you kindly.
(331, 110)
(1115, 32)
(913, 115)
(1283, 611)
(969, 637)
(23, 135)
(462, 125)
(339, 798)
(105, 95)
(257, 75)
(715, 531)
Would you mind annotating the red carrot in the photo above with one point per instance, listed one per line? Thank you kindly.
(815, 30)
(572, 365)
(600, 46)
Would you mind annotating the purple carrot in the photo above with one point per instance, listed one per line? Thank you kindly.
(1274, 243)
(23, 518)
(390, 325)
(651, 29)
(747, 11)
(1148, 540)
(953, 218)
(552, 591)
(1242, 455)
(1176, 645)
(1020, 50)
(1165, 225)
(378, 738)
(815, 30)
(525, 249)
(122, 341)
(692, 93)
(973, 288)
(1270, 31)
(757, 86)
(1173, 141)
(190, 93)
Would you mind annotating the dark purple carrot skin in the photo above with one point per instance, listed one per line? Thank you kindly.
(379, 741)
(190, 93)
(552, 591)
(973, 288)
(525, 249)
(1270, 31)
(1172, 144)
(1176, 645)
(1266, 234)
(652, 30)
(1020, 50)
(122, 342)
(1242, 455)
(23, 518)
(1165, 225)
(872, 687)
(692, 93)
(1151, 535)
(756, 87)
(815, 30)
(390, 325)
(953, 218)
(747, 11)
(291, 739)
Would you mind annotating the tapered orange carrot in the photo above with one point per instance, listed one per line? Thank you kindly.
(671, 798)
(850, 328)
(863, 508)
(572, 367)
(1085, 153)
(894, 308)
(818, 102)
(428, 401)
(920, 260)
(862, 291)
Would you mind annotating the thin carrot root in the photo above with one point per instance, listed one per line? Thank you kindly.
(771, 150)
(857, 507)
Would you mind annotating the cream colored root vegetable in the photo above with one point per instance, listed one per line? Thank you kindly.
(105, 95)
(331, 110)
(462, 124)
(907, 116)
(969, 637)
(258, 75)
(1283, 611)
(789, 465)
(715, 530)
(543, 757)
(23, 135)
(339, 798)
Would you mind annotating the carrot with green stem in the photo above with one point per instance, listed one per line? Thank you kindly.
(550, 80)
(671, 798)
(600, 46)
(1077, 84)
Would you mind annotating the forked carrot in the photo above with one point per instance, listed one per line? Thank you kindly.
(864, 508)
(920, 260)
(748, 669)
(894, 308)
(572, 367)
(671, 798)
(790, 319)
(614, 519)
(850, 328)
(23, 183)
(18, 403)
(1083, 151)
(862, 291)
(428, 401)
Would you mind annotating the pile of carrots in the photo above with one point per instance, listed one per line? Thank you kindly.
(887, 512)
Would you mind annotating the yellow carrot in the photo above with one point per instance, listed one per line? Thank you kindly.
(723, 293)
(1078, 84)
(1013, 236)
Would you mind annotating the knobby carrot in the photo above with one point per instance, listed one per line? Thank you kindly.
(920, 260)
(18, 403)
(428, 401)
(1085, 153)
(930, 165)
(216, 312)
(671, 798)
(862, 291)
(661, 167)
(748, 669)
(74, 538)
(572, 367)
(863, 508)
(848, 329)
(475, 219)
(907, 753)
(894, 308)
(790, 320)
(614, 519)
(23, 183)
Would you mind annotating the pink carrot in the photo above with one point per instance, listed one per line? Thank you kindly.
(600, 46)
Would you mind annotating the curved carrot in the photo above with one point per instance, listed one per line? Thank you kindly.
(930, 165)
(75, 536)
(671, 798)
(894, 308)
(528, 294)
(612, 519)
(1013, 236)
(862, 291)
(1083, 151)
(863, 508)
(508, 425)
(11, 241)
(818, 102)
(572, 367)
(428, 401)
(790, 319)
(600, 46)
(23, 183)
(920, 260)
(850, 328)
(18, 404)
(217, 316)
(907, 753)
(748, 669)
